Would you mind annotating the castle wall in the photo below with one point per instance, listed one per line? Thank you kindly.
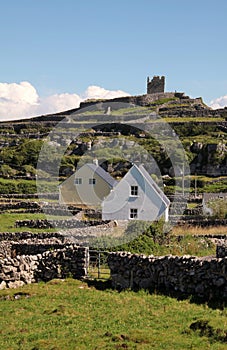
(156, 85)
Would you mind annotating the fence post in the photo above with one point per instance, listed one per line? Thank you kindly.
(99, 272)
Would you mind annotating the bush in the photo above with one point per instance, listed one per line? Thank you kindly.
(7, 171)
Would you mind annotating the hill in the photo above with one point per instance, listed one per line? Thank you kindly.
(202, 132)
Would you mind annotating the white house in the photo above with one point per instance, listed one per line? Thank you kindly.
(136, 196)
(87, 186)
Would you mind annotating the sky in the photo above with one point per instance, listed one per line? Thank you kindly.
(56, 53)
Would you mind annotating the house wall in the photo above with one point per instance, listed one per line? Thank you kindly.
(117, 205)
(84, 193)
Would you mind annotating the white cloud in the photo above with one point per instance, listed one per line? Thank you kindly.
(23, 92)
(219, 102)
(17, 100)
(58, 103)
(21, 100)
(94, 92)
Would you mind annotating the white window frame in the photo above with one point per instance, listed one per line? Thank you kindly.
(92, 181)
(133, 214)
(78, 181)
(134, 191)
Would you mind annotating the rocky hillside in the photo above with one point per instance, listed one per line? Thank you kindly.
(201, 130)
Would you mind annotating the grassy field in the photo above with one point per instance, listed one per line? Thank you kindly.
(197, 230)
(190, 119)
(7, 222)
(68, 315)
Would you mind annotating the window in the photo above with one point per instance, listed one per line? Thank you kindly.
(78, 181)
(134, 190)
(133, 213)
(91, 181)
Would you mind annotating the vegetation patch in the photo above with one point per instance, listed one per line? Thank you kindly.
(151, 239)
(204, 329)
(219, 208)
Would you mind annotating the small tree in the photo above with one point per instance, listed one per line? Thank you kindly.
(29, 170)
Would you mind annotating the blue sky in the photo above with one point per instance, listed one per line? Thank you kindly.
(65, 46)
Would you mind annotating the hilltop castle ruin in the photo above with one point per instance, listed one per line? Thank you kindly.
(156, 85)
(155, 91)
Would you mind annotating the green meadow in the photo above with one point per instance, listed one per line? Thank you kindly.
(70, 314)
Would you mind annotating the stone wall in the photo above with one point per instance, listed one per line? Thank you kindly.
(221, 250)
(29, 195)
(34, 248)
(26, 243)
(35, 207)
(18, 236)
(19, 205)
(60, 263)
(185, 276)
(44, 223)
(201, 222)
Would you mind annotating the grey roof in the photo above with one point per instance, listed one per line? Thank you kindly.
(99, 171)
(102, 173)
(153, 184)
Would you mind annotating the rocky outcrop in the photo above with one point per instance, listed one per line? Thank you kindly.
(211, 159)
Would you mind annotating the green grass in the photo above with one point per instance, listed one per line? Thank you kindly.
(7, 222)
(192, 205)
(198, 230)
(193, 119)
(216, 187)
(68, 315)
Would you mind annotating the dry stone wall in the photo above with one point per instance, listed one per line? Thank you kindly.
(187, 275)
(44, 223)
(27, 243)
(29, 195)
(221, 250)
(18, 236)
(16, 271)
(202, 222)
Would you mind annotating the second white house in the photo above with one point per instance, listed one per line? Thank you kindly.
(136, 196)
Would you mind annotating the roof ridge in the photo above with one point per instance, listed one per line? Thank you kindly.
(152, 183)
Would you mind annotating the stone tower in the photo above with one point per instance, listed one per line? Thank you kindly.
(157, 84)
